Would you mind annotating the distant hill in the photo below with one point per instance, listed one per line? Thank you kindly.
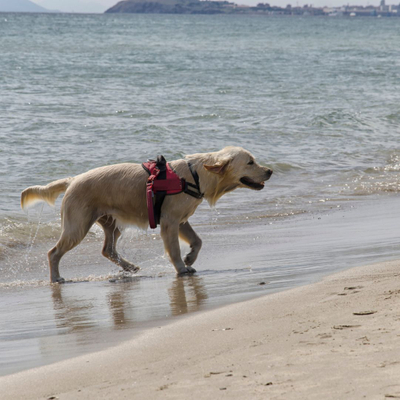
(20, 6)
(172, 7)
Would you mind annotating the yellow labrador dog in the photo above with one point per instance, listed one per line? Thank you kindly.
(115, 195)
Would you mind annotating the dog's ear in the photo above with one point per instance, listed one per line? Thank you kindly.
(219, 168)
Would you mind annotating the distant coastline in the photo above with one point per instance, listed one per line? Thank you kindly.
(21, 6)
(226, 7)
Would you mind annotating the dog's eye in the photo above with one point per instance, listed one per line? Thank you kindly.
(251, 162)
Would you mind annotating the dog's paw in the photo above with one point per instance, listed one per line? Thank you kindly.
(190, 269)
(59, 280)
(189, 259)
(187, 271)
(131, 268)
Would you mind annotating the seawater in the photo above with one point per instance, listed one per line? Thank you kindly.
(315, 99)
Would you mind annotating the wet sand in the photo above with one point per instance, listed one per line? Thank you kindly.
(338, 338)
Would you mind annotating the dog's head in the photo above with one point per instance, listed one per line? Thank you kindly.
(238, 168)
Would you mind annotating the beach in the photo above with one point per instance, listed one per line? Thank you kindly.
(338, 338)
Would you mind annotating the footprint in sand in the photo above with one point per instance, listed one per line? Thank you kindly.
(340, 327)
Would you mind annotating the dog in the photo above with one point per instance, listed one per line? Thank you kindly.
(115, 196)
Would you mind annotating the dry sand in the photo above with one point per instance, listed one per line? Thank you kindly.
(305, 343)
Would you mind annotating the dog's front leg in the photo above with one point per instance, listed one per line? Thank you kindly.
(187, 233)
(169, 235)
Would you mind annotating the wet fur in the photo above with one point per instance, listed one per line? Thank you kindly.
(115, 195)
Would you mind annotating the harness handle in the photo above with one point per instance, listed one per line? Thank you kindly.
(153, 176)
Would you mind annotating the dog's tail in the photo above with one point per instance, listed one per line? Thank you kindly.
(48, 193)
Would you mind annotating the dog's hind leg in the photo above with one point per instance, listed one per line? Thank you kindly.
(54, 257)
(112, 234)
(187, 233)
(169, 234)
(71, 235)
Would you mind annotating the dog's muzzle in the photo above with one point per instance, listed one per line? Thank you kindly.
(252, 184)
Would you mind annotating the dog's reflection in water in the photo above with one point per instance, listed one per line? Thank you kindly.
(187, 294)
(74, 314)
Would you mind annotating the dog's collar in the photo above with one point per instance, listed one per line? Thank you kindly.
(198, 194)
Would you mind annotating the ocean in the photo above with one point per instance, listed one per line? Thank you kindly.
(315, 99)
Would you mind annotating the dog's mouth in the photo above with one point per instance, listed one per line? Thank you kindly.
(252, 184)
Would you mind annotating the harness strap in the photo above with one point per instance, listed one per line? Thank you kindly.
(149, 196)
(160, 194)
(198, 194)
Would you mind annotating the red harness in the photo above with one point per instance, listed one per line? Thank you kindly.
(164, 181)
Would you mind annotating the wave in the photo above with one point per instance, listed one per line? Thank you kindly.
(339, 117)
(16, 234)
(393, 118)
(366, 187)
(378, 179)
(112, 278)
(284, 167)
(392, 165)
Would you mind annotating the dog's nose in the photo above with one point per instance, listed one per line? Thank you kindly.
(269, 172)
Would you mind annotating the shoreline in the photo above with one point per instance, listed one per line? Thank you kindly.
(301, 343)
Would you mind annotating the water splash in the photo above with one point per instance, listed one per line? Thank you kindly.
(32, 239)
